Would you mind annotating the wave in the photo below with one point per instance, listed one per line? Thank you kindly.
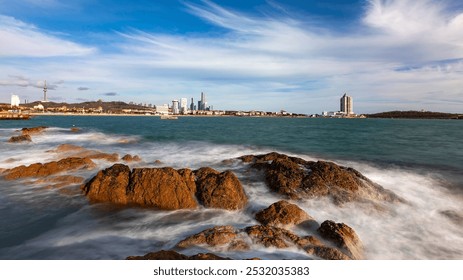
(75, 229)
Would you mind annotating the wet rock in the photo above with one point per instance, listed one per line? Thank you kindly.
(342, 236)
(269, 236)
(163, 188)
(219, 190)
(326, 253)
(282, 213)
(226, 236)
(60, 181)
(173, 255)
(75, 129)
(296, 179)
(454, 216)
(33, 130)
(109, 185)
(21, 138)
(77, 151)
(130, 158)
(50, 168)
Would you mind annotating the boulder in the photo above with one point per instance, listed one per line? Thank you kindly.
(269, 236)
(60, 181)
(173, 255)
(49, 168)
(33, 130)
(219, 190)
(130, 158)
(217, 236)
(282, 213)
(296, 178)
(343, 237)
(21, 138)
(163, 188)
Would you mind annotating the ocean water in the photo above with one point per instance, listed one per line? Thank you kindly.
(420, 160)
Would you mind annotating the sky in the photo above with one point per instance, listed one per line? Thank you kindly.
(295, 55)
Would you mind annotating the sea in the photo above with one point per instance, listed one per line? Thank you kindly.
(419, 160)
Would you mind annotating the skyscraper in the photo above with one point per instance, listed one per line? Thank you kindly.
(183, 105)
(347, 105)
(175, 107)
(192, 105)
(203, 102)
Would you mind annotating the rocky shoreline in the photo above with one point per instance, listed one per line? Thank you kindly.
(165, 188)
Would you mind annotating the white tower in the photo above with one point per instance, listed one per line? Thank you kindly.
(45, 92)
(14, 101)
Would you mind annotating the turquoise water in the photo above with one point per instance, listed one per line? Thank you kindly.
(420, 160)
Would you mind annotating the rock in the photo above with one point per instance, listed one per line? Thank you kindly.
(297, 179)
(453, 216)
(219, 190)
(172, 255)
(50, 168)
(130, 158)
(269, 236)
(160, 255)
(216, 236)
(282, 213)
(157, 162)
(342, 236)
(75, 129)
(163, 188)
(109, 185)
(33, 130)
(21, 138)
(77, 151)
(326, 253)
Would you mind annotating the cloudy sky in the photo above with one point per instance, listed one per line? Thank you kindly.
(296, 55)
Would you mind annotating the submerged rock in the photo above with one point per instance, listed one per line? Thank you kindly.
(130, 158)
(21, 138)
(297, 179)
(166, 188)
(219, 190)
(49, 168)
(282, 213)
(77, 151)
(33, 130)
(226, 236)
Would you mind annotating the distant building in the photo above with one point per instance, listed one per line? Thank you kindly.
(202, 104)
(45, 92)
(192, 105)
(183, 105)
(175, 109)
(347, 105)
(162, 109)
(15, 101)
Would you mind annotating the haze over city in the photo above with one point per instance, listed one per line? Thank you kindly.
(300, 56)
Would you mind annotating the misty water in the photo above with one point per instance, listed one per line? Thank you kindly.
(419, 160)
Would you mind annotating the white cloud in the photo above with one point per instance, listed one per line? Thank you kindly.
(20, 39)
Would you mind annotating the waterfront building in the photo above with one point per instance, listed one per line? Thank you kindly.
(175, 107)
(202, 105)
(347, 105)
(183, 105)
(192, 105)
(14, 101)
(162, 109)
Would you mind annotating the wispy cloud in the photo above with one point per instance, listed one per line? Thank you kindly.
(25, 40)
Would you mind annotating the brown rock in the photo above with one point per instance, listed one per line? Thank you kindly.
(296, 178)
(61, 181)
(172, 255)
(216, 236)
(75, 129)
(109, 185)
(327, 253)
(160, 255)
(282, 213)
(163, 188)
(219, 190)
(270, 236)
(77, 151)
(130, 158)
(19, 139)
(50, 168)
(33, 130)
(342, 236)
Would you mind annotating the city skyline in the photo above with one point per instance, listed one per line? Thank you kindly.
(248, 55)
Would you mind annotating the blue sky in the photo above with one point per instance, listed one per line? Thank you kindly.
(300, 56)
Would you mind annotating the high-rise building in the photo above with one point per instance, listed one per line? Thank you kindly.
(175, 110)
(203, 103)
(183, 105)
(347, 105)
(15, 101)
(192, 105)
